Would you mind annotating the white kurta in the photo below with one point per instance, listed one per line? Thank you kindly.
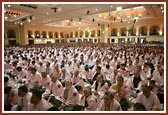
(150, 103)
(23, 102)
(92, 101)
(43, 105)
(114, 106)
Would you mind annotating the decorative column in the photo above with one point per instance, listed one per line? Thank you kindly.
(148, 30)
(23, 40)
(137, 31)
(104, 33)
(136, 40)
(161, 29)
(118, 32)
(127, 33)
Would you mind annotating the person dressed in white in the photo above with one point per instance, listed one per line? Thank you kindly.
(108, 73)
(69, 97)
(23, 99)
(56, 87)
(37, 102)
(135, 81)
(34, 78)
(46, 80)
(148, 99)
(108, 103)
(77, 78)
(100, 86)
(91, 101)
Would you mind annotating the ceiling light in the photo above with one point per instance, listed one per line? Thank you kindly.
(161, 8)
(128, 22)
(136, 18)
(21, 23)
(47, 13)
(119, 8)
(28, 20)
(111, 6)
(9, 5)
(162, 11)
(6, 17)
(96, 9)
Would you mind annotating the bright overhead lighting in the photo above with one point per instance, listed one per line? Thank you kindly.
(21, 23)
(161, 8)
(119, 8)
(9, 5)
(47, 13)
(111, 6)
(136, 18)
(6, 17)
(28, 20)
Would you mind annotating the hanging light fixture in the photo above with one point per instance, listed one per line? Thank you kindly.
(119, 9)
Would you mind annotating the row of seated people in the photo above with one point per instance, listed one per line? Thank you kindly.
(72, 77)
(76, 99)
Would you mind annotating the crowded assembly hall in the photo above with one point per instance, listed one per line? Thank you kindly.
(83, 57)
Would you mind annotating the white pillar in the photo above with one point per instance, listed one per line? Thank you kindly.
(148, 30)
(104, 33)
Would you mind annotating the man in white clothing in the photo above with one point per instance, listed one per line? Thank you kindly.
(23, 99)
(37, 102)
(148, 99)
(91, 101)
(108, 103)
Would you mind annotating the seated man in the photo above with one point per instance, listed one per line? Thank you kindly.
(148, 99)
(100, 86)
(69, 98)
(37, 102)
(108, 103)
(91, 101)
(23, 99)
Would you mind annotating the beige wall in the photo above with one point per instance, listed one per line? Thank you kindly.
(21, 31)
(155, 38)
